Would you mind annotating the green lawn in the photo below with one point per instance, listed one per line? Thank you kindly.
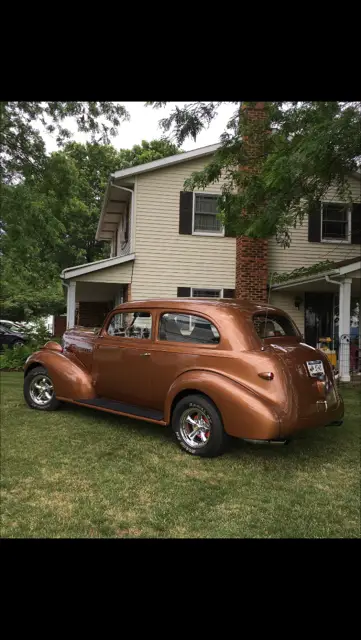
(82, 473)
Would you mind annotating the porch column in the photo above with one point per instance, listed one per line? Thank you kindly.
(118, 299)
(70, 307)
(344, 329)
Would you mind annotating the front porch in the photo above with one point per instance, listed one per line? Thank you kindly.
(94, 289)
(326, 308)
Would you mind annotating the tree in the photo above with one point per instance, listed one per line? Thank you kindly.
(301, 149)
(48, 222)
(147, 152)
(22, 146)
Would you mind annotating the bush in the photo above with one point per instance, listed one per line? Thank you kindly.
(36, 337)
(15, 358)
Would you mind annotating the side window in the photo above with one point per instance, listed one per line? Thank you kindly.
(181, 327)
(137, 324)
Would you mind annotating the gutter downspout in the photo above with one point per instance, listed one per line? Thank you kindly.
(328, 279)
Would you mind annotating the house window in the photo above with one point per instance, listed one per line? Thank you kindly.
(335, 222)
(206, 293)
(205, 218)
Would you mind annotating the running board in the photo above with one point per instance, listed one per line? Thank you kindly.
(122, 407)
(279, 441)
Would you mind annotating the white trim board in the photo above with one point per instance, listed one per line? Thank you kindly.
(73, 272)
(166, 162)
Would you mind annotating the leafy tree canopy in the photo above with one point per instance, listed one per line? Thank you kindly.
(298, 150)
(49, 220)
(22, 148)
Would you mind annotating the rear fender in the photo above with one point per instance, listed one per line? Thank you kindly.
(70, 380)
(244, 413)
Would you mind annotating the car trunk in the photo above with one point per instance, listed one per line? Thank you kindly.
(315, 393)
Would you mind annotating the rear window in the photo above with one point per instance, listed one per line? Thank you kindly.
(273, 326)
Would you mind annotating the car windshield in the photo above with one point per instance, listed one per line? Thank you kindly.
(273, 325)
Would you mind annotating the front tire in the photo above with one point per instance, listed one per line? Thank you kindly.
(39, 390)
(198, 427)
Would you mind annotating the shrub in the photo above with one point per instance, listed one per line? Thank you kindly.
(36, 337)
(15, 358)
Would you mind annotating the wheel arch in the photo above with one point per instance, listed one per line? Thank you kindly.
(32, 366)
(189, 392)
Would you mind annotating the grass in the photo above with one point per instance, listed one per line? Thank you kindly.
(82, 473)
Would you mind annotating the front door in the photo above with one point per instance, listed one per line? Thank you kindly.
(318, 317)
(122, 362)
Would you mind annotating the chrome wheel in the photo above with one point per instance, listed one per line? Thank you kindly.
(195, 427)
(41, 390)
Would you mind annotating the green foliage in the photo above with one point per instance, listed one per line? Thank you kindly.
(147, 152)
(318, 267)
(22, 146)
(48, 222)
(297, 152)
(36, 336)
(15, 358)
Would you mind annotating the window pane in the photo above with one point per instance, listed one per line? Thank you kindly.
(206, 222)
(206, 204)
(206, 293)
(187, 328)
(334, 221)
(273, 326)
(137, 324)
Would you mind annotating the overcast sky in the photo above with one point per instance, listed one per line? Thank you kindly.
(143, 125)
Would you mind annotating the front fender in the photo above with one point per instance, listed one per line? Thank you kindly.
(69, 378)
(244, 413)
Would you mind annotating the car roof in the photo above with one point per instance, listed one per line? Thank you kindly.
(206, 305)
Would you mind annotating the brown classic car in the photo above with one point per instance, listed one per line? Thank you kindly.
(209, 368)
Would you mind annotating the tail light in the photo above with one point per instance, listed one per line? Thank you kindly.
(266, 375)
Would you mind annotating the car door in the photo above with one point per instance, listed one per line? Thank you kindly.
(122, 366)
(184, 341)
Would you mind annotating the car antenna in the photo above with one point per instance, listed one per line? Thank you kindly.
(268, 301)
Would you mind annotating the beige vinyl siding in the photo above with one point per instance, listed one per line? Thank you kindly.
(302, 253)
(120, 274)
(166, 259)
(285, 301)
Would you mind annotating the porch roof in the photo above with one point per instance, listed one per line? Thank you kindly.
(343, 268)
(82, 269)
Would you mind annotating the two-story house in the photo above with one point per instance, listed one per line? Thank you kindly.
(165, 242)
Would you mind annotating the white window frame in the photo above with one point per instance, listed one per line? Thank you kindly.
(346, 240)
(217, 234)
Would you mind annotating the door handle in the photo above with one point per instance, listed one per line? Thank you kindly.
(147, 353)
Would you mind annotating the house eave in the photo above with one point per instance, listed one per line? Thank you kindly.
(80, 270)
(166, 162)
(332, 273)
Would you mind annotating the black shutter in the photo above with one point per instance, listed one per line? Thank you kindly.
(356, 224)
(185, 212)
(229, 293)
(314, 222)
(183, 292)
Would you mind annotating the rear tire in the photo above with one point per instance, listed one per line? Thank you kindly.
(39, 390)
(198, 427)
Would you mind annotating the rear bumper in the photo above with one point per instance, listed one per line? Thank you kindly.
(322, 416)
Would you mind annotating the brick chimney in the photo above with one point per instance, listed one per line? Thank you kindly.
(252, 253)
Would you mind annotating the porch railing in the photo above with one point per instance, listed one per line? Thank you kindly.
(349, 356)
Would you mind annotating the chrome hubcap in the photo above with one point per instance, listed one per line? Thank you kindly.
(41, 389)
(195, 427)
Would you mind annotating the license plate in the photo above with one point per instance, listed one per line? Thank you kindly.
(315, 367)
